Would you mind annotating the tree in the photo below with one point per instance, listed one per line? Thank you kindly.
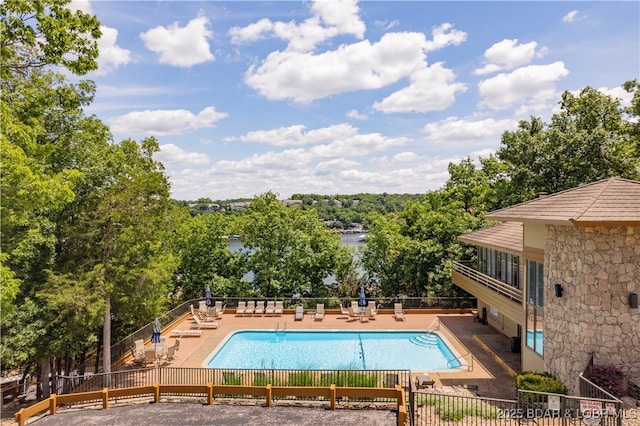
(205, 259)
(290, 250)
(587, 141)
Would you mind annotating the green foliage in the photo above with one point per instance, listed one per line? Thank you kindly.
(456, 409)
(349, 378)
(301, 378)
(539, 382)
(289, 250)
(39, 33)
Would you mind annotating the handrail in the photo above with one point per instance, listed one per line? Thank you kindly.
(429, 331)
(461, 357)
(498, 286)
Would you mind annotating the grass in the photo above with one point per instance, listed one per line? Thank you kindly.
(455, 409)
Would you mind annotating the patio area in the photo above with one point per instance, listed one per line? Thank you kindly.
(488, 377)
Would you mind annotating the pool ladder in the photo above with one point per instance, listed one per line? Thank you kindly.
(283, 331)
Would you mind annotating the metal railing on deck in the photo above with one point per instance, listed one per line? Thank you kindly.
(498, 286)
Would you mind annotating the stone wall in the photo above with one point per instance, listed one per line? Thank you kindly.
(598, 268)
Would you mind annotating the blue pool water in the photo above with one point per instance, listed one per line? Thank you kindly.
(365, 350)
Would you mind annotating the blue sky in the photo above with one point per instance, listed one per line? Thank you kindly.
(339, 96)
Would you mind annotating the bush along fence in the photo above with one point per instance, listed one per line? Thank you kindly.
(332, 393)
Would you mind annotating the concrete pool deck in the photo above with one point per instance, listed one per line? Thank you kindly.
(467, 338)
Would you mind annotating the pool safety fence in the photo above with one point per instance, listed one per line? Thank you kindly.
(539, 408)
(236, 377)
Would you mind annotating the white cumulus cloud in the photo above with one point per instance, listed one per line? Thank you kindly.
(164, 122)
(432, 89)
(305, 77)
(536, 82)
(507, 55)
(352, 113)
(111, 56)
(444, 35)
(469, 132)
(573, 16)
(181, 46)
(173, 155)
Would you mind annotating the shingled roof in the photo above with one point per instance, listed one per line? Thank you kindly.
(506, 236)
(612, 201)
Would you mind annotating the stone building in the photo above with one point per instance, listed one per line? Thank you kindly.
(561, 276)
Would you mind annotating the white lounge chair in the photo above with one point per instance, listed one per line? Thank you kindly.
(241, 308)
(150, 356)
(270, 309)
(259, 310)
(343, 310)
(203, 308)
(251, 306)
(219, 307)
(398, 312)
(319, 312)
(205, 324)
(373, 309)
(299, 313)
(186, 333)
(353, 313)
(279, 308)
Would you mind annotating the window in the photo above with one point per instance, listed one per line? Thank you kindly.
(535, 306)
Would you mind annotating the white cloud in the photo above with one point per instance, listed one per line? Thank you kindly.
(329, 19)
(507, 55)
(352, 113)
(164, 122)
(295, 135)
(444, 35)
(111, 56)
(405, 157)
(81, 5)
(432, 89)
(454, 131)
(330, 167)
(305, 77)
(386, 25)
(251, 32)
(171, 154)
(181, 46)
(531, 82)
(341, 14)
(618, 93)
(573, 16)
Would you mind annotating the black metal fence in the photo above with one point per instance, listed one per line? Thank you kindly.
(542, 409)
(239, 377)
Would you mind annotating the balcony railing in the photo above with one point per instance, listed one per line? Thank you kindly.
(499, 287)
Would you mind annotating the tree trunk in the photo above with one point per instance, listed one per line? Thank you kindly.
(106, 343)
(45, 379)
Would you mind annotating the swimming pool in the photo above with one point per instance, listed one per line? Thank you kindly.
(335, 350)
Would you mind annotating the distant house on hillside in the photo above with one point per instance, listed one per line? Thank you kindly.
(561, 275)
(239, 205)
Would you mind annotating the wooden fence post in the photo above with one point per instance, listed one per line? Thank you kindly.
(53, 404)
(269, 394)
(332, 396)
(156, 393)
(209, 393)
(105, 398)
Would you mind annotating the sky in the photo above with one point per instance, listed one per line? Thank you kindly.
(340, 96)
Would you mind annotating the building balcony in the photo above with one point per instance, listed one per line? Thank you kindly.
(504, 297)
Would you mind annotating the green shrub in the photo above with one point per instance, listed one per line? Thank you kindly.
(301, 378)
(538, 382)
(454, 409)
